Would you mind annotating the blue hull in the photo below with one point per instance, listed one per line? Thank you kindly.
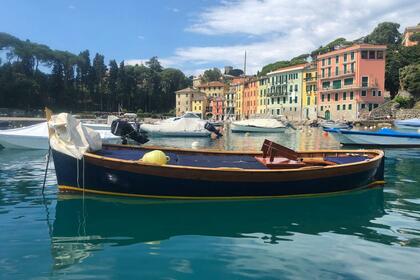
(74, 175)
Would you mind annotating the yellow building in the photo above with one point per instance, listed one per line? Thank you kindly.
(213, 89)
(199, 104)
(262, 96)
(185, 100)
(239, 93)
(309, 97)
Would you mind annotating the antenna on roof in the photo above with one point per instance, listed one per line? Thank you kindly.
(245, 64)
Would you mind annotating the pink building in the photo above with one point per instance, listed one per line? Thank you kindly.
(217, 108)
(351, 81)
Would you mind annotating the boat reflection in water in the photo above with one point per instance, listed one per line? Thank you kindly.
(83, 226)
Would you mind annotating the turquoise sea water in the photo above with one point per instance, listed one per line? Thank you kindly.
(373, 234)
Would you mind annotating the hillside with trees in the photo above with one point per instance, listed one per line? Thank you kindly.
(33, 76)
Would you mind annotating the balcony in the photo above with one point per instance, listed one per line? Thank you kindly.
(372, 85)
(310, 79)
(339, 75)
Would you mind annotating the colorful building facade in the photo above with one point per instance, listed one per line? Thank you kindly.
(250, 97)
(407, 42)
(239, 92)
(231, 96)
(184, 100)
(309, 97)
(199, 104)
(285, 92)
(350, 81)
(262, 100)
(213, 89)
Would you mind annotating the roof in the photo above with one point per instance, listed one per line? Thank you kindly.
(289, 68)
(199, 97)
(188, 90)
(412, 28)
(352, 47)
(212, 84)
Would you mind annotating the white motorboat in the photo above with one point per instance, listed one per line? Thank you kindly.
(36, 137)
(101, 126)
(335, 125)
(408, 124)
(258, 125)
(188, 125)
(382, 137)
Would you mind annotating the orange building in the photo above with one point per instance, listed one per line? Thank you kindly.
(250, 97)
(407, 34)
(350, 81)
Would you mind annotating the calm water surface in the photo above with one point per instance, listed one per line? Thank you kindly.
(372, 234)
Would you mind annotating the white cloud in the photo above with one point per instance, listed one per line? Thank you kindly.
(140, 37)
(281, 29)
(71, 7)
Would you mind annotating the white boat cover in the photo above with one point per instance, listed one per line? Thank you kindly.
(178, 126)
(70, 137)
(39, 129)
(263, 123)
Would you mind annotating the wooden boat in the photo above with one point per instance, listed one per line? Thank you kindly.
(383, 137)
(192, 174)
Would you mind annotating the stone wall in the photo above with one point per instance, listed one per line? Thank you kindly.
(403, 114)
(383, 111)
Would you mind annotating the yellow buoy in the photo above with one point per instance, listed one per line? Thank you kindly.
(155, 157)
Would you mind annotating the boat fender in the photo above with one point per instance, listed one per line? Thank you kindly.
(156, 157)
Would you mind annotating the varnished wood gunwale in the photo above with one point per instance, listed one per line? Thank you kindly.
(238, 174)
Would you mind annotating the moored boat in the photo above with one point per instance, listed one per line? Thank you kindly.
(36, 137)
(335, 125)
(408, 124)
(258, 125)
(383, 137)
(198, 174)
(188, 125)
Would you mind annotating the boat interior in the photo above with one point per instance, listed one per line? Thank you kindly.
(273, 156)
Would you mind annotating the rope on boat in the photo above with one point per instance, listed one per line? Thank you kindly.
(83, 175)
(46, 169)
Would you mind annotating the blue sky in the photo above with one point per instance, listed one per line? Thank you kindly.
(196, 35)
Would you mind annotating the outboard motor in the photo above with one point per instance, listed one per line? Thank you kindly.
(125, 130)
(213, 129)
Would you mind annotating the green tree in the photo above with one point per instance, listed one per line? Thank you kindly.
(171, 81)
(112, 86)
(410, 79)
(339, 42)
(386, 33)
(154, 64)
(415, 37)
(236, 72)
(98, 73)
(211, 75)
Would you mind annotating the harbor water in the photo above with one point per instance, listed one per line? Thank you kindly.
(371, 234)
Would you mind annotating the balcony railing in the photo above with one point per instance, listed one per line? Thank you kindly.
(371, 85)
(310, 79)
(338, 74)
